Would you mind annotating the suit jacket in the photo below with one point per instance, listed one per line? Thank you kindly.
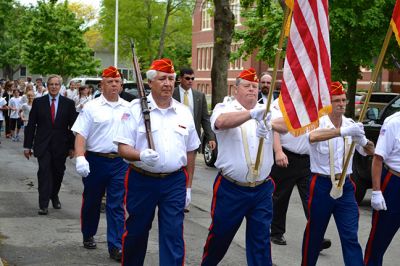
(200, 113)
(42, 135)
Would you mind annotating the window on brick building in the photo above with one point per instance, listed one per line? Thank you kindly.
(238, 63)
(205, 16)
(204, 57)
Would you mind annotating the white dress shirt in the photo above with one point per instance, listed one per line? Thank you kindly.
(97, 123)
(388, 145)
(319, 151)
(173, 132)
(231, 158)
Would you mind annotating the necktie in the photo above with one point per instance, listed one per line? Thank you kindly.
(53, 109)
(185, 98)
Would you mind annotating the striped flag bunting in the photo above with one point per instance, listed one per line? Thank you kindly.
(307, 70)
(395, 21)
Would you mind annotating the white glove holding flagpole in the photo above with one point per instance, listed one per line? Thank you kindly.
(257, 113)
(355, 129)
(378, 201)
(149, 157)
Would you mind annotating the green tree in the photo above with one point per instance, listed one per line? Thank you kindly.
(357, 32)
(155, 34)
(55, 44)
(14, 19)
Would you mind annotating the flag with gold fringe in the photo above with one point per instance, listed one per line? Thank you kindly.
(395, 21)
(306, 80)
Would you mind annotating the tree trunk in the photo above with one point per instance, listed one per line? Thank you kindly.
(164, 30)
(353, 73)
(224, 24)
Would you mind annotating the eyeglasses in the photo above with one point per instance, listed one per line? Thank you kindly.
(53, 84)
(189, 78)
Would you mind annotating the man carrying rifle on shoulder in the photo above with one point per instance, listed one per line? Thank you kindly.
(157, 177)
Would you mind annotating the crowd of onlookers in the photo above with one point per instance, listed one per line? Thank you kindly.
(16, 98)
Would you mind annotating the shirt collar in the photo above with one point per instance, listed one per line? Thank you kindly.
(153, 105)
(182, 90)
(104, 101)
(57, 97)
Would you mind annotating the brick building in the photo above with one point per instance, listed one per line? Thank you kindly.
(202, 53)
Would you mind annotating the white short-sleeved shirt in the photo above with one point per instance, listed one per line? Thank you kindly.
(72, 93)
(319, 151)
(97, 123)
(388, 145)
(15, 103)
(3, 102)
(173, 132)
(26, 108)
(231, 158)
(298, 145)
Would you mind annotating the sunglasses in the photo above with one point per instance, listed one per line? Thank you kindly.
(189, 78)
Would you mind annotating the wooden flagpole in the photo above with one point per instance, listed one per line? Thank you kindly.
(365, 106)
(272, 88)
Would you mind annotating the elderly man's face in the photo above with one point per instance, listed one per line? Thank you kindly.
(247, 91)
(111, 87)
(339, 104)
(265, 84)
(162, 85)
(187, 81)
(54, 86)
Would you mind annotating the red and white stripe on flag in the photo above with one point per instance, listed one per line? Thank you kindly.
(307, 70)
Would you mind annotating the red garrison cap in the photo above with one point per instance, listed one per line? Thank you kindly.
(337, 88)
(164, 65)
(249, 74)
(111, 72)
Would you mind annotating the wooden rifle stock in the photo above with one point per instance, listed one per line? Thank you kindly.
(143, 98)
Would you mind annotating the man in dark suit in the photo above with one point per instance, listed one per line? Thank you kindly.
(48, 133)
(197, 103)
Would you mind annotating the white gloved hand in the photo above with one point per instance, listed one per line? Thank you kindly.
(257, 113)
(149, 157)
(355, 129)
(378, 201)
(360, 140)
(262, 130)
(82, 166)
(188, 197)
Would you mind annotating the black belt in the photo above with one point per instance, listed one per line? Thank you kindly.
(392, 171)
(111, 155)
(155, 175)
(245, 184)
(298, 155)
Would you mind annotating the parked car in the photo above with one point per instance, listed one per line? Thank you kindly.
(131, 88)
(372, 126)
(86, 81)
(378, 100)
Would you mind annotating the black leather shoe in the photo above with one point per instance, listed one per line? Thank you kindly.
(89, 243)
(43, 211)
(326, 243)
(56, 204)
(116, 254)
(278, 240)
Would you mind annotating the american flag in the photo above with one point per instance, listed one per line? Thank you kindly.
(307, 70)
(395, 21)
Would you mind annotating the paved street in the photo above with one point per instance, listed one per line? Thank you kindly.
(29, 239)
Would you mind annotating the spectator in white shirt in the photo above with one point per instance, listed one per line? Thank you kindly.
(15, 120)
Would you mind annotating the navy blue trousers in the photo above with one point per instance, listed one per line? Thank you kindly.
(345, 211)
(384, 223)
(106, 174)
(143, 195)
(230, 205)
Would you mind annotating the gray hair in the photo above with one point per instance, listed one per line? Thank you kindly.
(151, 74)
(52, 76)
(238, 81)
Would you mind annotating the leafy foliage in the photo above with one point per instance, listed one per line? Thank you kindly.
(54, 43)
(142, 20)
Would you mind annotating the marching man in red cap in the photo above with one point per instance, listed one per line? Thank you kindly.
(240, 190)
(99, 164)
(157, 177)
(329, 147)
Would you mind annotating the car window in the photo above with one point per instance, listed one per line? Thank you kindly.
(393, 108)
(382, 98)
